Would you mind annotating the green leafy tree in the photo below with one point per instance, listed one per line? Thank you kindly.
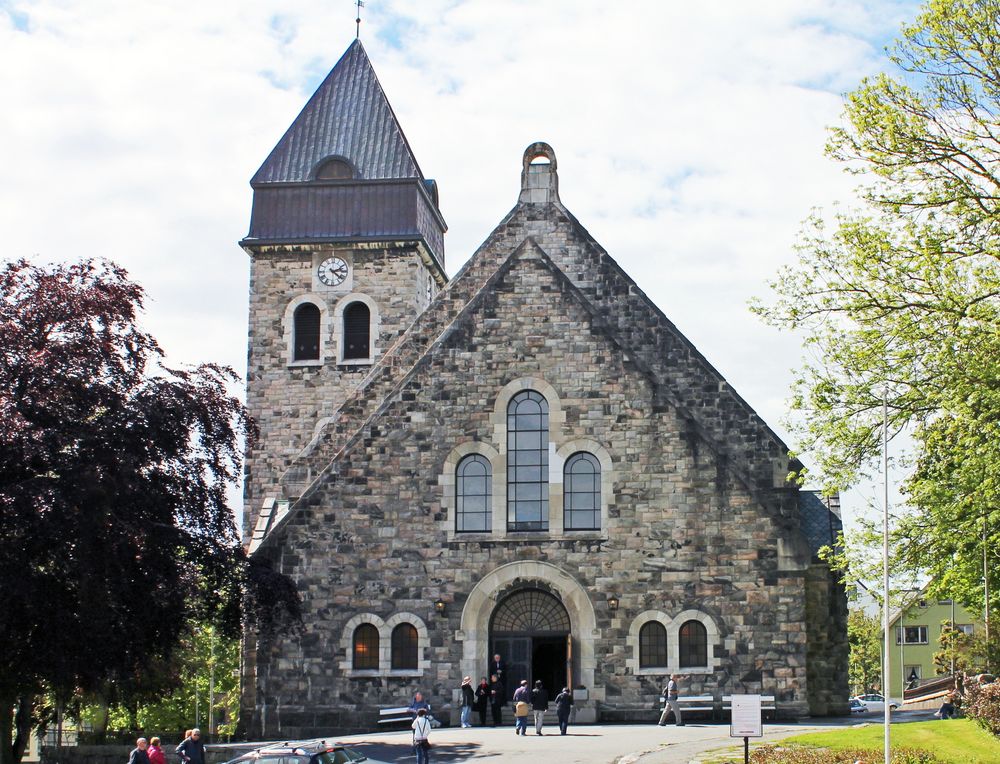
(864, 635)
(115, 535)
(901, 298)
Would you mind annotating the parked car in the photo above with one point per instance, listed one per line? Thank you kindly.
(876, 703)
(306, 752)
(857, 707)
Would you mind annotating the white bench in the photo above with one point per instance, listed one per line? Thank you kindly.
(766, 704)
(395, 715)
(691, 703)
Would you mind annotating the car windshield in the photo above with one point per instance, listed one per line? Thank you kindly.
(281, 758)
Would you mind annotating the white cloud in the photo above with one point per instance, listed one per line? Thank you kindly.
(689, 138)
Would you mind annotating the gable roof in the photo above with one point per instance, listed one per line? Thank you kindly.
(682, 378)
(348, 116)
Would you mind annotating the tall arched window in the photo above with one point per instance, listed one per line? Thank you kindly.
(652, 645)
(365, 647)
(305, 333)
(582, 492)
(357, 331)
(404, 647)
(693, 643)
(473, 491)
(528, 462)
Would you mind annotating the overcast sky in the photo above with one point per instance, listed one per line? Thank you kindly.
(689, 138)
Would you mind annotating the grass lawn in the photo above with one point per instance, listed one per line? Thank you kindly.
(955, 740)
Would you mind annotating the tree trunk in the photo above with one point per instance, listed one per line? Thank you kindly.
(7, 730)
(23, 726)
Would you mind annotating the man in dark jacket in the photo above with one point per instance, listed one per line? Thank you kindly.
(539, 705)
(564, 702)
(139, 755)
(192, 750)
(497, 700)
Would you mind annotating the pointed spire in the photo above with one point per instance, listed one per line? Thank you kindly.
(347, 117)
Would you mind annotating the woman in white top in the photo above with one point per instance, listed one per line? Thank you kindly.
(421, 737)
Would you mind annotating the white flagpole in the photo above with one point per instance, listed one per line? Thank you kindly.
(885, 571)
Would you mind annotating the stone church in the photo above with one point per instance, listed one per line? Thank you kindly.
(524, 458)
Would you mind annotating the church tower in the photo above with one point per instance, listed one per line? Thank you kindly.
(346, 249)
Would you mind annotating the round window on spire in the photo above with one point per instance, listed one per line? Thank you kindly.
(334, 169)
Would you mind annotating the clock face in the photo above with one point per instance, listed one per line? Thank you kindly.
(332, 271)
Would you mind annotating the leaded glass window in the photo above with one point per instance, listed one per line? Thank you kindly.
(582, 492)
(693, 643)
(652, 645)
(404, 646)
(530, 610)
(528, 462)
(473, 493)
(365, 647)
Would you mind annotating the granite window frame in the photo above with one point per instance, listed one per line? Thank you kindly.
(572, 495)
(385, 630)
(289, 330)
(374, 324)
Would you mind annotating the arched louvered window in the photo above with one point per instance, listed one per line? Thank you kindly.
(357, 331)
(473, 493)
(404, 647)
(305, 333)
(652, 645)
(582, 492)
(365, 647)
(693, 644)
(335, 169)
(528, 462)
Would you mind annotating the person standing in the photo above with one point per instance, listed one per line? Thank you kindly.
(139, 755)
(498, 667)
(468, 701)
(482, 700)
(192, 750)
(155, 752)
(539, 705)
(422, 737)
(564, 702)
(521, 698)
(670, 696)
(497, 700)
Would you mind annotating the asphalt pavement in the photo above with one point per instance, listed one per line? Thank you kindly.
(594, 744)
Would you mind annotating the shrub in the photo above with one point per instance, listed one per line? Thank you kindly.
(769, 754)
(982, 703)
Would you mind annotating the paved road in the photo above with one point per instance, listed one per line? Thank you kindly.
(589, 744)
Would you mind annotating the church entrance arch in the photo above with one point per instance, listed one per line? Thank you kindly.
(509, 579)
(530, 630)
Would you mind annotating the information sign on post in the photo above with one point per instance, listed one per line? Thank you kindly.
(745, 721)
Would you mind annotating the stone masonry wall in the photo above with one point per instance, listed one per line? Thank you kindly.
(287, 400)
(682, 533)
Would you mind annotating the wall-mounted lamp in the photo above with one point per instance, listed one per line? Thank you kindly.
(439, 607)
(612, 603)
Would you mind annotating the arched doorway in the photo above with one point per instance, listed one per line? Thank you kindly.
(530, 629)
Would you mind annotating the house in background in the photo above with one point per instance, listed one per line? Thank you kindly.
(916, 629)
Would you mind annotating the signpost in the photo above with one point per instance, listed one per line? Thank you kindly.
(745, 721)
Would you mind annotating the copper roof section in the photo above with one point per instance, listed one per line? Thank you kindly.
(348, 116)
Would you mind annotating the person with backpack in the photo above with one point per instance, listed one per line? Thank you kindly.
(421, 737)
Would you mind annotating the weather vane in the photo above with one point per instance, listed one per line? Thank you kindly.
(360, 4)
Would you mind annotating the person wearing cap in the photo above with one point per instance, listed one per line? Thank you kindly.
(468, 701)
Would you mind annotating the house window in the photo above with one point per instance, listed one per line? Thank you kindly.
(652, 645)
(582, 492)
(912, 674)
(305, 333)
(473, 491)
(965, 628)
(404, 647)
(911, 635)
(357, 331)
(365, 647)
(528, 462)
(693, 643)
